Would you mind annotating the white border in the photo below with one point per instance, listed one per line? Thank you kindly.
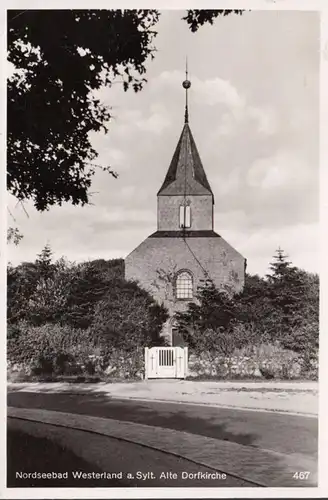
(322, 490)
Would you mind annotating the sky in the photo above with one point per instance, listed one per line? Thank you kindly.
(254, 114)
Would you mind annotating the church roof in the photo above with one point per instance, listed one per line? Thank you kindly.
(186, 175)
(185, 234)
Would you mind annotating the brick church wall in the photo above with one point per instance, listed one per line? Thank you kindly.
(168, 255)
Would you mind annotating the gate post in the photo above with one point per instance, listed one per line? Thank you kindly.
(185, 362)
(146, 362)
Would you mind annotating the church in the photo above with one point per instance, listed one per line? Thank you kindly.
(185, 250)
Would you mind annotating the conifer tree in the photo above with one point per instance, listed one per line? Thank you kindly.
(44, 262)
(92, 281)
(287, 295)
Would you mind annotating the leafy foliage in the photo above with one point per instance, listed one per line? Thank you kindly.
(58, 66)
(90, 282)
(62, 316)
(37, 292)
(61, 58)
(197, 18)
(281, 308)
(254, 307)
(128, 317)
(28, 343)
(214, 310)
(14, 236)
(61, 313)
(293, 309)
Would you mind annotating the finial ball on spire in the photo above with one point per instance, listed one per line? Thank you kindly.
(186, 84)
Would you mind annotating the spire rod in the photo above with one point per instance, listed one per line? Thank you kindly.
(186, 85)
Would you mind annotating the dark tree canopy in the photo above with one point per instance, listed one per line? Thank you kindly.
(61, 57)
(91, 295)
(197, 18)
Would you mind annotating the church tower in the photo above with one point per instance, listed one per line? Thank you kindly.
(173, 261)
(185, 200)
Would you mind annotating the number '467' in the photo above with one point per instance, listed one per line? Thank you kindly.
(301, 475)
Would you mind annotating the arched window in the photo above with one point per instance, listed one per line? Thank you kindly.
(184, 288)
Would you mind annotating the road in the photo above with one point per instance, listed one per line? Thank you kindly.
(134, 465)
(282, 435)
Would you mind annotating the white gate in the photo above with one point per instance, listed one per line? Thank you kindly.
(166, 362)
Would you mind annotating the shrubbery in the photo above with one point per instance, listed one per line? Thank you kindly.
(50, 348)
(79, 319)
(85, 319)
(57, 350)
(280, 311)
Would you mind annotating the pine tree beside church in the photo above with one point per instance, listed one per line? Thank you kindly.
(287, 291)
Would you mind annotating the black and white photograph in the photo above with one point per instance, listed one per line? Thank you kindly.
(162, 253)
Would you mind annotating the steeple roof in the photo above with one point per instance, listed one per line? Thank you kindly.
(186, 175)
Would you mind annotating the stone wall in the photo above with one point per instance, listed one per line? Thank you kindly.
(115, 366)
(278, 364)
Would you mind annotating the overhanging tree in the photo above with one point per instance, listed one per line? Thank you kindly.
(61, 57)
(13, 235)
(196, 18)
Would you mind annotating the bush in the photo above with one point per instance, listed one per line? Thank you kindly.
(55, 350)
(303, 339)
(280, 309)
(128, 318)
(50, 348)
(116, 364)
(61, 362)
(41, 365)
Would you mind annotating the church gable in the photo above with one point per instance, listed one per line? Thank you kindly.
(202, 256)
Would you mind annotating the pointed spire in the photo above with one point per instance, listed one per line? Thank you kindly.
(186, 174)
(186, 85)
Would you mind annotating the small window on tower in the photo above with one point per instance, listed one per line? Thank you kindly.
(181, 221)
(185, 216)
(188, 216)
